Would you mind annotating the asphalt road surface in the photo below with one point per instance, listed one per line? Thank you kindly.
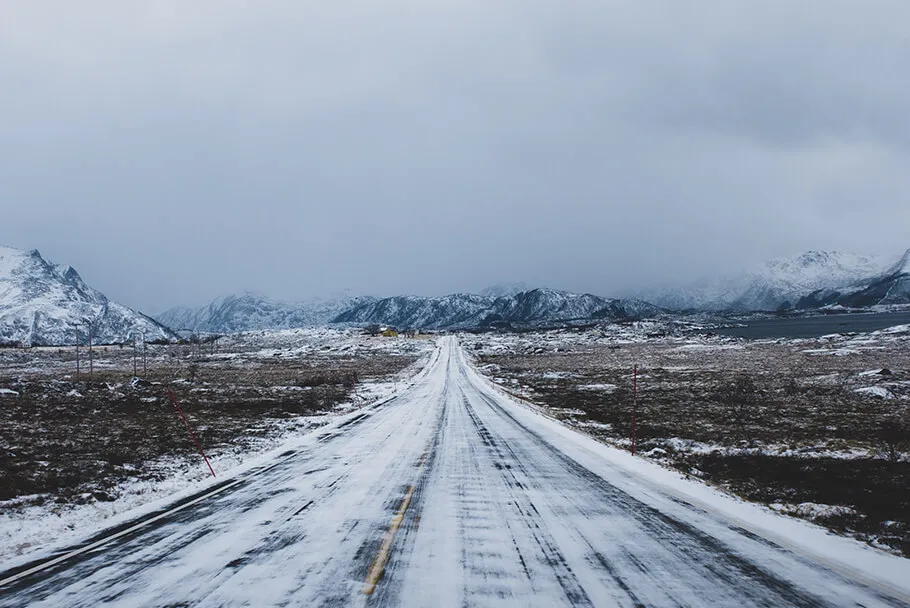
(443, 496)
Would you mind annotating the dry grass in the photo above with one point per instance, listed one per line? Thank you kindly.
(780, 423)
(74, 439)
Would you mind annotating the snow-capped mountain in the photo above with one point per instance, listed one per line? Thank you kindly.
(784, 283)
(535, 308)
(251, 311)
(45, 304)
(453, 311)
(890, 287)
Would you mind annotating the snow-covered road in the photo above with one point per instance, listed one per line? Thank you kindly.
(449, 495)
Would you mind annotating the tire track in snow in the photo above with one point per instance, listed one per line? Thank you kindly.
(530, 516)
(689, 543)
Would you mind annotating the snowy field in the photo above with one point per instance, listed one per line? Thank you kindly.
(76, 451)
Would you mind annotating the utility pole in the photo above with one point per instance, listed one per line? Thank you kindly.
(134, 355)
(77, 350)
(145, 367)
(634, 404)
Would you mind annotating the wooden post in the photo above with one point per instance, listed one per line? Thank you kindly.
(77, 350)
(91, 360)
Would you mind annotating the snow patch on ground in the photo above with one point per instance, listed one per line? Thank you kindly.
(600, 387)
(813, 510)
(686, 347)
(838, 352)
(557, 375)
(876, 391)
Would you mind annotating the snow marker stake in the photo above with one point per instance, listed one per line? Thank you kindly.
(634, 404)
(192, 434)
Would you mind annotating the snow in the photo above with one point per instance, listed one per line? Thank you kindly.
(25, 529)
(902, 266)
(815, 270)
(251, 311)
(837, 352)
(715, 346)
(839, 553)
(813, 510)
(8, 391)
(820, 450)
(538, 307)
(876, 391)
(872, 372)
(557, 375)
(44, 303)
(775, 282)
(602, 386)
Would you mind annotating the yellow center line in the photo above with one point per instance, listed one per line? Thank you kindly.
(382, 557)
(385, 549)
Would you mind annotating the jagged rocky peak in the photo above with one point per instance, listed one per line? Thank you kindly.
(890, 287)
(43, 303)
(903, 264)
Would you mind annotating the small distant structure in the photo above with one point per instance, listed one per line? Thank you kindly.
(385, 331)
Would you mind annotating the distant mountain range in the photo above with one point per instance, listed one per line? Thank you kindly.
(527, 309)
(814, 279)
(532, 308)
(42, 303)
(251, 311)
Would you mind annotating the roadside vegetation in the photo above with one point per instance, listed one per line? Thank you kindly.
(67, 439)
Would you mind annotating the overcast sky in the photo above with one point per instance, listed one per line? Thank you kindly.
(175, 151)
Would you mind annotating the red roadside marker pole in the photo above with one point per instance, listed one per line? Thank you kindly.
(634, 404)
(188, 428)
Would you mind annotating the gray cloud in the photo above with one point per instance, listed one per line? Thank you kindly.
(175, 151)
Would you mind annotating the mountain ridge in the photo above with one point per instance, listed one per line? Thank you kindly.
(535, 308)
(249, 311)
(813, 279)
